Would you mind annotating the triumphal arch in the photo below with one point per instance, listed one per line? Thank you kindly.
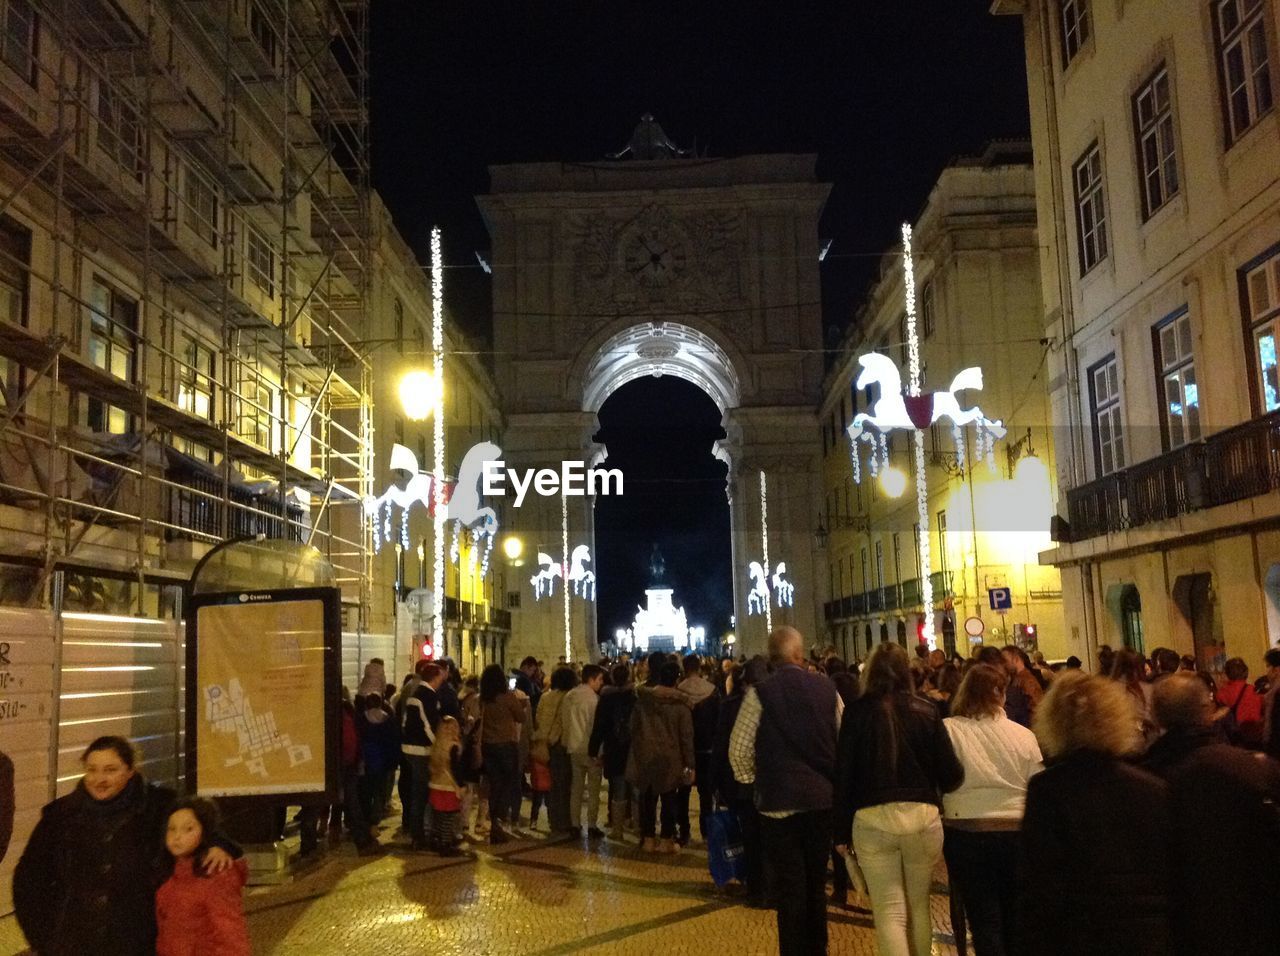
(657, 262)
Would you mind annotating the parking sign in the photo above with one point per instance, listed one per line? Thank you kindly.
(1000, 599)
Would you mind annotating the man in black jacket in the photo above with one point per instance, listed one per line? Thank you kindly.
(784, 741)
(1224, 804)
(420, 716)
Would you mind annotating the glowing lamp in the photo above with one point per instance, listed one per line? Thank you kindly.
(428, 651)
(893, 482)
(513, 547)
(418, 395)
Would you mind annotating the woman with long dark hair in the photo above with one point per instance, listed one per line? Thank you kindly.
(894, 763)
(983, 816)
(501, 714)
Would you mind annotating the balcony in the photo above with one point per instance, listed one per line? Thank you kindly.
(1239, 463)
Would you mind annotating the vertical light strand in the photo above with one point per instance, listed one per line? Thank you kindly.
(564, 573)
(437, 434)
(764, 534)
(913, 389)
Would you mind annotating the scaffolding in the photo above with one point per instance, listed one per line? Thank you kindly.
(185, 270)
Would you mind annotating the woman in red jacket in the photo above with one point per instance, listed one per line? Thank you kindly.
(198, 914)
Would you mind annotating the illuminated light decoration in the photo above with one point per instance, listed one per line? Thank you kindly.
(544, 581)
(466, 508)
(578, 579)
(760, 598)
(783, 590)
(437, 435)
(419, 489)
(564, 550)
(915, 412)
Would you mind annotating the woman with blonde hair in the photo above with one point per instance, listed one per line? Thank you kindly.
(1094, 862)
(894, 761)
(982, 816)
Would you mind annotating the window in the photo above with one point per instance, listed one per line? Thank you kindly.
(260, 261)
(119, 130)
(1243, 63)
(915, 545)
(113, 334)
(398, 325)
(897, 557)
(263, 33)
(866, 573)
(1075, 28)
(1178, 389)
(880, 565)
(19, 37)
(15, 255)
(1091, 213)
(201, 213)
(1157, 159)
(1262, 289)
(1108, 429)
(195, 377)
(259, 396)
(927, 318)
(942, 550)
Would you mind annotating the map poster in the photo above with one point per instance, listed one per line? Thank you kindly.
(258, 695)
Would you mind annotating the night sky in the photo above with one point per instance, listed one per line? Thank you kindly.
(885, 94)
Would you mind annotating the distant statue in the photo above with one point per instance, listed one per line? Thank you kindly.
(657, 569)
(650, 142)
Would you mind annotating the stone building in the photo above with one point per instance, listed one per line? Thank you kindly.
(978, 304)
(662, 264)
(1158, 194)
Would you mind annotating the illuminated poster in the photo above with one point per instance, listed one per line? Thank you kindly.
(260, 697)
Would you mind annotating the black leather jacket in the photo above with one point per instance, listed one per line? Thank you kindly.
(891, 750)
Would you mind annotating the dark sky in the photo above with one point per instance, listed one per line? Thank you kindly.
(660, 433)
(885, 93)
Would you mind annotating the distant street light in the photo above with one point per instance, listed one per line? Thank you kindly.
(893, 482)
(513, 547)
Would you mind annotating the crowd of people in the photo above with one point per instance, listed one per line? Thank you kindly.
(1134, 809)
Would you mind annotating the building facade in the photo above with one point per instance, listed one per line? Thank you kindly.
(1156, 136)
(978, 304)
(203, 314)
(662, 264)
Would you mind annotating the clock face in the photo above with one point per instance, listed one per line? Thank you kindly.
(654, 258)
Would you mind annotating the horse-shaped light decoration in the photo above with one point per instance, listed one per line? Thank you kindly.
(895, 410)
(783, 590)
(418, 489)
(582, 579)
(544, 582)
(758, 599)
(465, 509)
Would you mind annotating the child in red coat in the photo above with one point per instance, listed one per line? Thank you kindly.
(198, 914)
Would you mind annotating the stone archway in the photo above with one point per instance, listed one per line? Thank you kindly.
(704, 269)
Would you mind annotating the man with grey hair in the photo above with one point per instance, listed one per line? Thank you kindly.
(1223, 803)
(784, 741)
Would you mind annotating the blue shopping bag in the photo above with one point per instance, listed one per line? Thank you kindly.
(726, 857)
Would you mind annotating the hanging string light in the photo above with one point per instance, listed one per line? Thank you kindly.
(913, 390)
(437, 471)
(564, 573)
(764, 533)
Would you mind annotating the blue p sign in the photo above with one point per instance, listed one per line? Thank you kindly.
(1000, 599)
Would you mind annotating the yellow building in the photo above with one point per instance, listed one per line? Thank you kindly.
(978, 304)
(399, 336)
(1156, 136)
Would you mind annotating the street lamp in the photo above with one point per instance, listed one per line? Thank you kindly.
(513, 547)
(893, 482)
(419, 395)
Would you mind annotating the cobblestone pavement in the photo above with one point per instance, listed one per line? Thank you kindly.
(534, 897)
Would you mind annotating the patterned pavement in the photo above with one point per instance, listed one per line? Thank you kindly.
(534, 897)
